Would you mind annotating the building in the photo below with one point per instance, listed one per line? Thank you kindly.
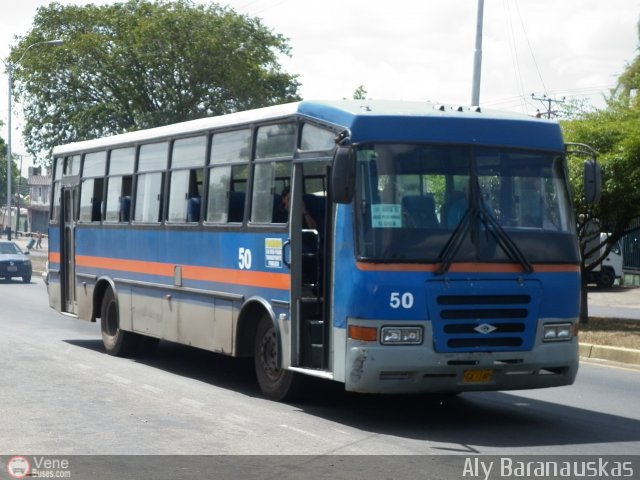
(39, 190)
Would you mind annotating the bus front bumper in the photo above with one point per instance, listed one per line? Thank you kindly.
(375, 368)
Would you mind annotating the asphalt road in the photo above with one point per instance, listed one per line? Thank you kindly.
(62, 395)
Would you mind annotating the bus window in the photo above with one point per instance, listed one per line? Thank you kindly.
(269, 179)
(55, 190)
(276, 141)
(228, 173)
(93, 169)
(185, 190)
(316, 138)
(119, 184)
(71, 165)
(151, 165)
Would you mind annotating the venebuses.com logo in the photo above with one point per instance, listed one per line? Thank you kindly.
(18, 467)
(38, 467)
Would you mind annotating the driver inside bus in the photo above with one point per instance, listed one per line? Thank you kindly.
(308, 222)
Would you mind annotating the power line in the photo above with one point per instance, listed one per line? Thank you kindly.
(548, 101)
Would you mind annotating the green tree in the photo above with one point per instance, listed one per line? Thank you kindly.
(614, 133)
(360, 93)
(141, 64)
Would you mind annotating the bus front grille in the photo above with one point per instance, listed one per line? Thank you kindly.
(481, 317)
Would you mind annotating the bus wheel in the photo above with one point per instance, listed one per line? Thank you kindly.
(276, 383)
(116, 341)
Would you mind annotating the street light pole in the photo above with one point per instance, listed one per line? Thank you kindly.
(477, 57)
(10, 66)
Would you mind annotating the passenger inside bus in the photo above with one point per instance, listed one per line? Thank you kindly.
(308, 221)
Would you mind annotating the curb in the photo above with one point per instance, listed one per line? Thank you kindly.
(613, 354)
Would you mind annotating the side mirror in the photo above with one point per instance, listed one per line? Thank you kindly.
(343, 175)
(592, 181)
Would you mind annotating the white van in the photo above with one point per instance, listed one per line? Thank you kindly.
(605, 274)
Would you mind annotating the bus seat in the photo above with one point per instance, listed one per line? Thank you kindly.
(420, 211)
(453, 210)
(193, 209)
(236, 207)
(125, 208)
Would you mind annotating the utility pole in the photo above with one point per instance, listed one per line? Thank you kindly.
(477, 57)
(548, 101)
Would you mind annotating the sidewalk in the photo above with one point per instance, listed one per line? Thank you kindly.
(615, 302)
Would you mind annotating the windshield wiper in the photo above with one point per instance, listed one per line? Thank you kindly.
(477, 213)
(492, 226)
(455, 242)
(503, 239)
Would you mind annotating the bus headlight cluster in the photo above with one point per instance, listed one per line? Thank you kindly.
(401, 335)
(557, 332)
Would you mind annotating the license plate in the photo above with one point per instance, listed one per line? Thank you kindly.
(477, 376)
(12, 269)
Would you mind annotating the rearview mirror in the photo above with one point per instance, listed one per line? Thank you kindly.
(592, 181)
(343, 175)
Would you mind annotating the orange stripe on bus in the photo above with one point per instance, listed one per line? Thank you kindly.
(54, 257)
(463, 267)
(209, 274)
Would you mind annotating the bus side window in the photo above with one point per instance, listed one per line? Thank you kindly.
(187, 174)
(94, 165)
(119, 185)
(265, 200)
(228, 174)
(151, 165)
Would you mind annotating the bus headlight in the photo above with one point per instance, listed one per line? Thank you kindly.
(557, 332)
(401, 336)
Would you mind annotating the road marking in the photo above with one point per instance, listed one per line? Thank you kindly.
(192, 403)
(297, 430)
(151, 389)
(118, 379)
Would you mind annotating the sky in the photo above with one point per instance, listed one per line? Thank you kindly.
(423, 50)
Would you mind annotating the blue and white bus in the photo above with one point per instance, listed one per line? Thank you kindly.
(444, 256)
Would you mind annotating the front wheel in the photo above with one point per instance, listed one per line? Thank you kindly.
(116, 342)
(275, 382)
(606, 278)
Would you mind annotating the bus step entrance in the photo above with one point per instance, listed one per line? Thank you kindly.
(312, 351)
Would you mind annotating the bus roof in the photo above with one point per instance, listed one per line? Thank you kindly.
(369, 121)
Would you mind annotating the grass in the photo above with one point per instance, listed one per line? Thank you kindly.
(611, 332)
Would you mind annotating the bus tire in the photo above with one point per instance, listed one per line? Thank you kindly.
(116, 342)
(276, 383)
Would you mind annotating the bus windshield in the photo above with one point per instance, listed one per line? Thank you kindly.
(412, 197)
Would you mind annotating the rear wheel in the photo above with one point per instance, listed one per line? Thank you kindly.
(276, 383)
(116, 341)
(26, 279)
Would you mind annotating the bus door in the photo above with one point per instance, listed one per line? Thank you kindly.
(69, 215)
(310, 256)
